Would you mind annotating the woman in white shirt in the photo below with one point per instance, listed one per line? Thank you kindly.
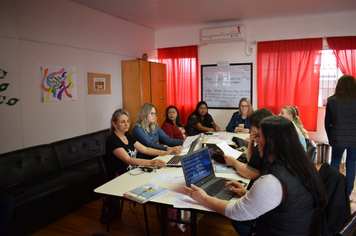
(288, 197)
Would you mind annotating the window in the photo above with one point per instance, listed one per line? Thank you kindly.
(329, 74)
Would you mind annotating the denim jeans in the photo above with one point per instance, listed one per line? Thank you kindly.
(336, 155)
(242, 227)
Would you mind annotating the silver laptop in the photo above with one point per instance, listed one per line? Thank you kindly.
(198, 170)
(175, 160)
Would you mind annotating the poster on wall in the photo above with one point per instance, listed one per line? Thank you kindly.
(58, 83)
(224, 84)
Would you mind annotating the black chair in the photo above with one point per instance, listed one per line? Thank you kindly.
(311, 150)
(112, 206)
(337, 211)
(350, 227)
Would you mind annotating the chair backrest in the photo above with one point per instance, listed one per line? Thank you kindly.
(104, 168)
(350, 227)
(311, 150)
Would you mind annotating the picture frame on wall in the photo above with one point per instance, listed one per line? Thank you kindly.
(99, 83)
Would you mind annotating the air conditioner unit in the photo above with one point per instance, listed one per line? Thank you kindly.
(223, 34)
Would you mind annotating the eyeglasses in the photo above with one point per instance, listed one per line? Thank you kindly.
(154, 113)
(244, 106)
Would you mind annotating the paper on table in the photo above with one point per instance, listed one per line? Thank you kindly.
(227, 150)
(169, 178)
(216, 141)
(183, 201)
(188, 141)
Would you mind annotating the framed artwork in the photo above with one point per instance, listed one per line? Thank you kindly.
(98, 83)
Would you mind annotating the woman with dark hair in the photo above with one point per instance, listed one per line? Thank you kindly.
(201, 121)
(239, 120)
(340, 126)
(289, 196)
(172, 126)
(147, 132)
(121, 148)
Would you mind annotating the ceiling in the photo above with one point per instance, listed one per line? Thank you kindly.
(163, 14)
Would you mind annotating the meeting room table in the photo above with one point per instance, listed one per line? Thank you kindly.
(171, 178)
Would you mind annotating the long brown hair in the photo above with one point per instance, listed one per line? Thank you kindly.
(345, 88)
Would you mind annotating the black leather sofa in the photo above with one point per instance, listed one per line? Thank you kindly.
(53, 179)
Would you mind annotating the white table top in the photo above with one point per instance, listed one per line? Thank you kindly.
(127, 182)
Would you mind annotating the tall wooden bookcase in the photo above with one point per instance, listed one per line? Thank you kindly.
(142, 82)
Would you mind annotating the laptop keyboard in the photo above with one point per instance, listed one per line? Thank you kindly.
(216, 187)
(174, 160)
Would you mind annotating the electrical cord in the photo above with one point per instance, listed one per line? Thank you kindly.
(138, 221)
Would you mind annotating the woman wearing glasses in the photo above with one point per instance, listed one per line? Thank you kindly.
(239, 120)
(147, 132)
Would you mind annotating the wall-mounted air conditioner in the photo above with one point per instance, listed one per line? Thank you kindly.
(223, 34)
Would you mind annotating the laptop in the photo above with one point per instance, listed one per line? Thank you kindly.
(198, 170)
(175, 160)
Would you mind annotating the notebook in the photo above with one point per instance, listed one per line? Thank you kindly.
(198, 170)
(175, 160)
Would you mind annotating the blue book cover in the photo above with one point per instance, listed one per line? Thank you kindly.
(145, 193)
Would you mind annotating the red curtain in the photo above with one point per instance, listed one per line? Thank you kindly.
(288, 73)
(345, 53)
(183, 84)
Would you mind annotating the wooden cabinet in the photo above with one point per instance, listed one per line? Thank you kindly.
(142, 82)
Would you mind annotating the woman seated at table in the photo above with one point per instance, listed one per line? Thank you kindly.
(121, 148)
(289, 196)
(172, 126)
(290, 113)
(201, 121)
(239, 120)
(147, 132)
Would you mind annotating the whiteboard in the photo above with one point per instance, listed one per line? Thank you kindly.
(223, 85)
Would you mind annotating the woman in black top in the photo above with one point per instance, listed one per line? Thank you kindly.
(340, 126)
(121, 148)
(201, 121)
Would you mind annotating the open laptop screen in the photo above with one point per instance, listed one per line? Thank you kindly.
(197, 166)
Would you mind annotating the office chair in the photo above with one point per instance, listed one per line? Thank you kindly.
(112, 206)
(350, 227)
(311, 150)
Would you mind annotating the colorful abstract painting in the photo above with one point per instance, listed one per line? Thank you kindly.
(58, 83)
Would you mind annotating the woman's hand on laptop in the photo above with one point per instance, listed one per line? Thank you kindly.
(239, 189)
(157, 163)
(196, 193)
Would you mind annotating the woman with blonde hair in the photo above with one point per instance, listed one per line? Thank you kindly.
(147, 132)
(291, 114)
(239, 120)
(121, 148)
(340, 126)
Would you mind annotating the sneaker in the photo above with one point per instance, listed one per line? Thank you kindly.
(351, 198)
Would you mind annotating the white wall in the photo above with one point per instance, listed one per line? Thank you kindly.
(61, 33)
(320, 25)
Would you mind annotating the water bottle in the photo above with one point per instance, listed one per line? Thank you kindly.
(200, 140)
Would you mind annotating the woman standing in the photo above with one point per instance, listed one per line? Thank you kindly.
(239, 120)
(147, 132)
(288, 198)
(172, 126)
(201, 121)
(121, 148)
(340, 126)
